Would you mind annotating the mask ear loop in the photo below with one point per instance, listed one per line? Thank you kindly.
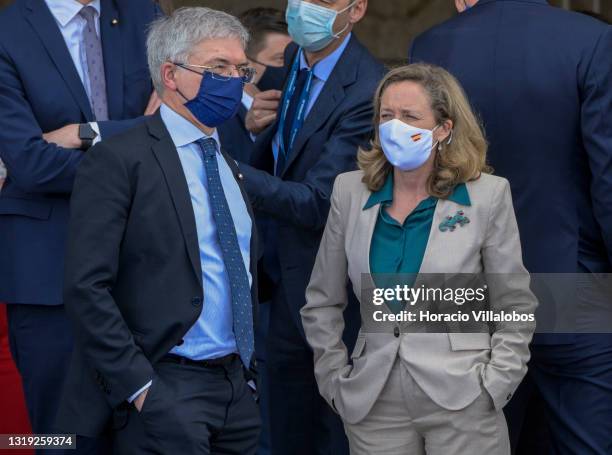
(450, 138)
(337, 35)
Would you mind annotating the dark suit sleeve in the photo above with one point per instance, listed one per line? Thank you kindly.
(110, 128)
(34, 165)
(597, 132)
(306, 203)
(100, 208)
(412, 51)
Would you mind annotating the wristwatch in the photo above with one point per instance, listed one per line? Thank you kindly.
(86, 135)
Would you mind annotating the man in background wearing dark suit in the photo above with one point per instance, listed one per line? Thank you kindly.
(266, 53)
(70, 72)
(541, 79)
(160, 278)
(324, 115)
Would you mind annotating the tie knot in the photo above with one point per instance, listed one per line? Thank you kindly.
(88, 13)
(208, 146)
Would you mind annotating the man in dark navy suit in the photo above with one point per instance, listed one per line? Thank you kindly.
(71, 72)
(541, 79)
(325, 113)
(266, 53)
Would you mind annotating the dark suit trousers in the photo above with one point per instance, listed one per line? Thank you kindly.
(574, 383)
(301, 422)
(564, 405)
(261, 339)
(191, 409)
(41, 339)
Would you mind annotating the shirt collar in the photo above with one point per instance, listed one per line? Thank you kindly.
(66, 10)
(181, 130)
(323, 69)
(459, 195)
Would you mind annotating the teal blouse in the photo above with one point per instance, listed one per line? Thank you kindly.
(399, 248)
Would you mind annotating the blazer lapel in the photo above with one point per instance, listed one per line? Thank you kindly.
(169, 161)
(431, 250)
(344, 74)
(110, 33)
(363, 241)
(44, 25)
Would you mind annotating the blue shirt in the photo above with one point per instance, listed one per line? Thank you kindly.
(212, 335)
(322, 70)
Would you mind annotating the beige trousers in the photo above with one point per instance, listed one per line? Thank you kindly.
(405, 421)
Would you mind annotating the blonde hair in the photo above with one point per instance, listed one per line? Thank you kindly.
(458, 162)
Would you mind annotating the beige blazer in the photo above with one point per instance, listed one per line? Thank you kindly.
(452, 368)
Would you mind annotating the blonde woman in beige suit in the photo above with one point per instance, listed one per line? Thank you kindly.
(420, 393)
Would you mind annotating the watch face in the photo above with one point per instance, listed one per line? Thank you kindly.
(86, 132)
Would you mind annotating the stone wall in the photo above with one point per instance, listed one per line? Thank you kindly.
(389, 26)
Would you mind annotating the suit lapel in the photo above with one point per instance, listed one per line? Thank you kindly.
(44, 25)
(363, 240)
(242, 112)
(167, 156)
(431, 251)
(110, 33)
(344, 74)
(330, 97)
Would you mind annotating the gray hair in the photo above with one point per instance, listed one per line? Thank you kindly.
(172, 38)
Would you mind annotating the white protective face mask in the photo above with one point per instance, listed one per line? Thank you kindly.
(405, 146)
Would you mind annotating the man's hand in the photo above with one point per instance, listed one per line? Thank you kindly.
(67, 137)
(140, 399)
(154, 103)
(263, 111)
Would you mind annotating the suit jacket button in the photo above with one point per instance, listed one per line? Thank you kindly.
(396, 331)
(196, 301)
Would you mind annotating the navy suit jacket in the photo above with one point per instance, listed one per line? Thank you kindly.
(541, 79)
(297, 202)
(40, 91)
(233, 134)
(235, 138)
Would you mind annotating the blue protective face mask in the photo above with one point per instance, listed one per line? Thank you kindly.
(312, 26)
(217, 100)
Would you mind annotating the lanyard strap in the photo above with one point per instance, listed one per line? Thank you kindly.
(300, 113)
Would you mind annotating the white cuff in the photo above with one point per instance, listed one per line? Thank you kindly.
(96, 128)
(133, 397)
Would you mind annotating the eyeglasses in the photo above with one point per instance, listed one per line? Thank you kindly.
(223, 72)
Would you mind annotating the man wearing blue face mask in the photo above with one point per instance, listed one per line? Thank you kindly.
(325, 113)
(161, 276)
